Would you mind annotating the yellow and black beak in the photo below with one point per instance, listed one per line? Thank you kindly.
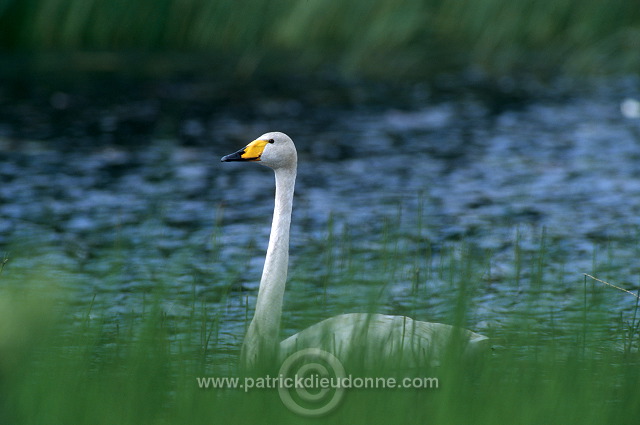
(251, 152)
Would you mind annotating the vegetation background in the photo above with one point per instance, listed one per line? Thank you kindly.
(383, 38)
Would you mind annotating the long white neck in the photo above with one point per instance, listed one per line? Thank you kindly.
(262, 339)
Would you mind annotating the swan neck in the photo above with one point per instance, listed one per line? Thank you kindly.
(264, 330)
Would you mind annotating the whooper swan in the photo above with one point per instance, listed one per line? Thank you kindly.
(378, 336)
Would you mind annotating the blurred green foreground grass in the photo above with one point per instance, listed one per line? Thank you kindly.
(66, 362)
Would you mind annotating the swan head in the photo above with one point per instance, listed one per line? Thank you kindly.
(275, 150)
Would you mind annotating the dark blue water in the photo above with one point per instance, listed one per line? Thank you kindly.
(114, 187)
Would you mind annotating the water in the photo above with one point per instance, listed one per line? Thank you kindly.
(115, 188)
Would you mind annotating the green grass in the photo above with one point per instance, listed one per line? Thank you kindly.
(380, 38)
(69, 360)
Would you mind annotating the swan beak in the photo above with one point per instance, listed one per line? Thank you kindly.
(251, 152)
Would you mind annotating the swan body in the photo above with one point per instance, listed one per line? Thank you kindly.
(372, 339)
(376, 336)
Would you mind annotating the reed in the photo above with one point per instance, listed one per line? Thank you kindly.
(381, 38)
(64, 359)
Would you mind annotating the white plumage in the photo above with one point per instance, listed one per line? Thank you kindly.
(372, 337)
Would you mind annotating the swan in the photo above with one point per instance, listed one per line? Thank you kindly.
(373, 336)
